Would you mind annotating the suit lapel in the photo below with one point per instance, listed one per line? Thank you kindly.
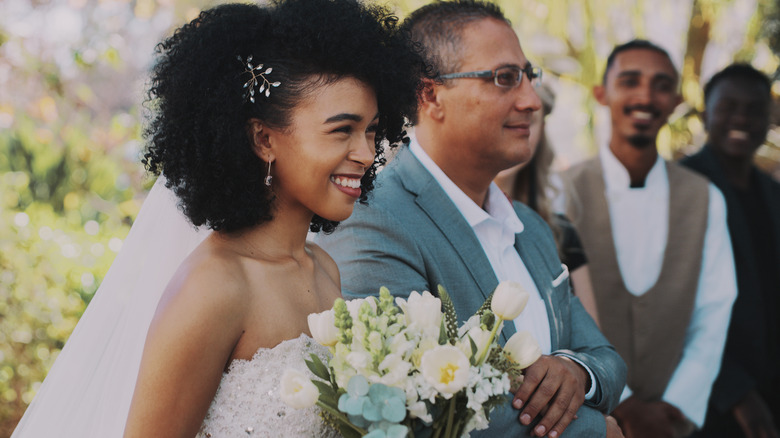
(534, 262)
(432, 200)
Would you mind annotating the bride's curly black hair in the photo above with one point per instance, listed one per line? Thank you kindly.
(197, 136)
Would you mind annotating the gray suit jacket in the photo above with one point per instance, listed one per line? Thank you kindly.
(412, 238)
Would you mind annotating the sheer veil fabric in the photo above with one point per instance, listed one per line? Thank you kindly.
(88, 391)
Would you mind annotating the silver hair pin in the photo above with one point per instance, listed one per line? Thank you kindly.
(257, 74)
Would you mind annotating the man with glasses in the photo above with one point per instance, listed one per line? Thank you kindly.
(436, 218)
(658, 249)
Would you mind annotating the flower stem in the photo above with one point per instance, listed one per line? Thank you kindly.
(448, 432)
(484, 350)
(341, 417)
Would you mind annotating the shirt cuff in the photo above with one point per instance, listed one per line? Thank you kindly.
(626, 394)
(592, 389)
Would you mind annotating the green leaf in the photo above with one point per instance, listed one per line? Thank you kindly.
(473, 350)
(318, 368)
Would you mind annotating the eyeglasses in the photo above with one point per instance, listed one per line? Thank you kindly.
(505, 77)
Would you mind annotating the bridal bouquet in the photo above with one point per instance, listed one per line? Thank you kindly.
(404, 368)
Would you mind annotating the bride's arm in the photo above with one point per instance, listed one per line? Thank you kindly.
(197, 324)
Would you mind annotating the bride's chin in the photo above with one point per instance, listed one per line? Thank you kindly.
(337, 216)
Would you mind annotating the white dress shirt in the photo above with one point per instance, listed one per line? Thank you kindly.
(640, 225)
(495, 228)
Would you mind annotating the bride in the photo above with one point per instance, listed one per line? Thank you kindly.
(268, 122)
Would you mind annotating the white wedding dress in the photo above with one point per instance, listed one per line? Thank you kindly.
(247, 403)
(87, 392)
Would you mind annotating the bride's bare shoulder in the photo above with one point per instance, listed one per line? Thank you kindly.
(210, 276)
(324, 260)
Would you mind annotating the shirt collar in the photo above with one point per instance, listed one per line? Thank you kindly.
(616, 178)
(497, 205)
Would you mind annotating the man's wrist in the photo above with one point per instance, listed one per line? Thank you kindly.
(588, 378)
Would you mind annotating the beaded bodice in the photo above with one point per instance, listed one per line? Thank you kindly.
(247, 403)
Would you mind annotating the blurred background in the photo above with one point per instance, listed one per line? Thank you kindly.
(72, 86)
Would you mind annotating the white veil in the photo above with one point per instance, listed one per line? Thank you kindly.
(88, 391)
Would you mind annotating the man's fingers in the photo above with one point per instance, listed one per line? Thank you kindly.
(567, 416)
(540, 398)
(532, 376)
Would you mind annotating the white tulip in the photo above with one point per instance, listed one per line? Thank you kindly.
(481, 338)
(509, 300)
(423, 310)
(323, 327)
(445, 368)
(296, 390)
(522, 349)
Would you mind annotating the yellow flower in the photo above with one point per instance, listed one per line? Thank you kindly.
(509, 300)
(296, 390)
(523, 349)
(445, 368)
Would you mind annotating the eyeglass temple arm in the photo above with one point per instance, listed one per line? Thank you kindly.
(471, 74)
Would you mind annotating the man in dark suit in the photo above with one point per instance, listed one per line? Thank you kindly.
(437, 218)
(745, 398)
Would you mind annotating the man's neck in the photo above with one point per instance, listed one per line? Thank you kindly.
(474, 182)
(637, 161)
(737, 170)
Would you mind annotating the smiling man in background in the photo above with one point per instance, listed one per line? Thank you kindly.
(656, 236)
(746, 396)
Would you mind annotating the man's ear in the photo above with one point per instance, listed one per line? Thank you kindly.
(600, 93)
(258, 137)
(706, 120)
(429, 99)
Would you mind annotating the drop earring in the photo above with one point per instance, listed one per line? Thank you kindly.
(268, 176)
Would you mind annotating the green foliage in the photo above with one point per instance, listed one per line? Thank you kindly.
(67, 199)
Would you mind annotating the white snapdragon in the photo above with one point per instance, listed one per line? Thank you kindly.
(396, 370)
(354, 306)
(509, 300)
(297, 390)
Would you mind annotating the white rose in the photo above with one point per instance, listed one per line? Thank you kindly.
(509, 299)
(296, 390)
(423, 310)
(523, 349)
(446, 368)
(323, 327)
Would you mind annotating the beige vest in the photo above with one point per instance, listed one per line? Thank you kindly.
(648, 331)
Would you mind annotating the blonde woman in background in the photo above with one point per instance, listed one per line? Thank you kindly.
(530, 184)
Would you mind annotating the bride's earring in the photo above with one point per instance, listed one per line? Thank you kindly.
(268, 176)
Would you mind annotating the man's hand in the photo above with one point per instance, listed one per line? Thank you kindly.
(754, 418)
(555, 387)
(641, 419)
(613, 430)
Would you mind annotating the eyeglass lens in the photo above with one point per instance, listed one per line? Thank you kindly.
(512, 76)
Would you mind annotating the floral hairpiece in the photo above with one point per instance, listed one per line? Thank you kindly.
(253, 82)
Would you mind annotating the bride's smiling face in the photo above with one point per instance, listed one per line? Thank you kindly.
(319, 159)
